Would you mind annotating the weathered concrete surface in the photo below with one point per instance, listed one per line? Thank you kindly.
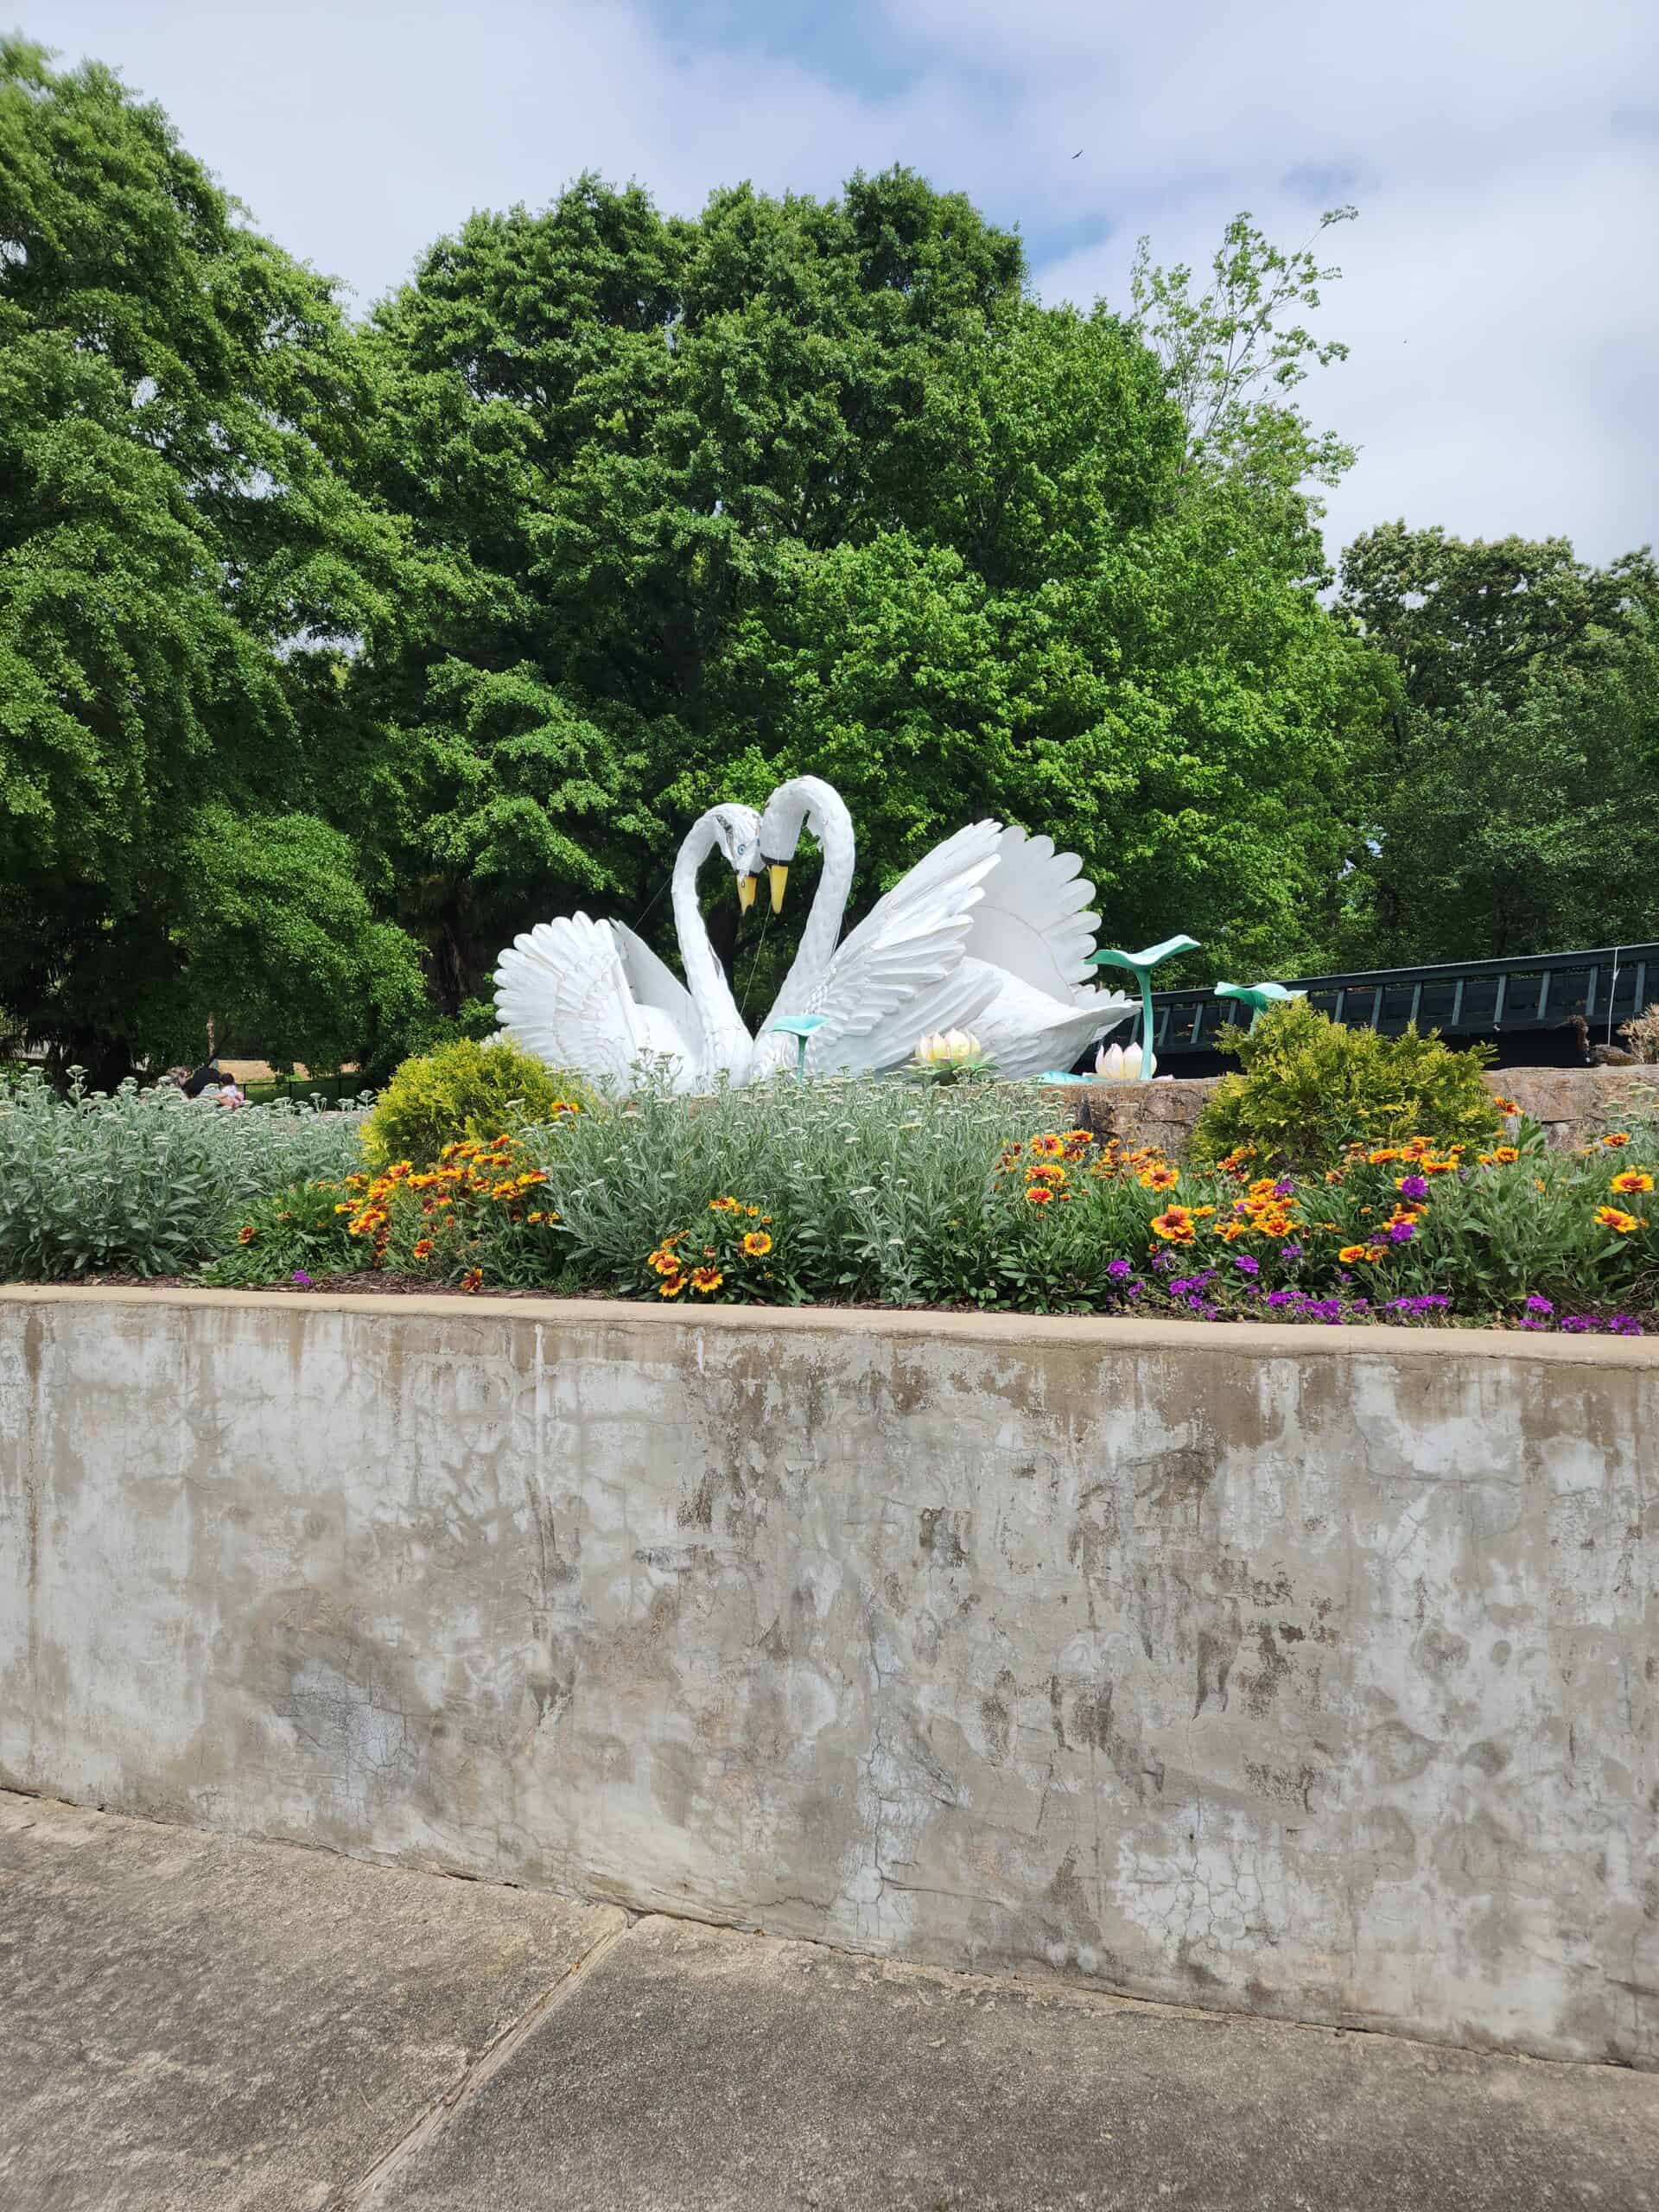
(194, 2025)
(1570, 1105)
(712, 2072)
(1306, 1672)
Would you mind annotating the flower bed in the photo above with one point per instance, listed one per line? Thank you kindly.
(866, 1194)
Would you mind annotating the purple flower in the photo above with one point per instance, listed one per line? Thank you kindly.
(1402, 1232)
(1284, 1297)
(1324, 1309)
(1118, 1268)
(1247, 1265)
(1624, 1324)
(1581, 1325)
(1429, 1302)
(1291, 1251)
(1537, 1305)
(1283, 1188)
(1413, 1186)
(302, 1278)
(1134, 1290)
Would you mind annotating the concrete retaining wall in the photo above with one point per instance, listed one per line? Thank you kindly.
(1302, 1671)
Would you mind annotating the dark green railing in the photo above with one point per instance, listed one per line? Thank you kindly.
(1504, 1002)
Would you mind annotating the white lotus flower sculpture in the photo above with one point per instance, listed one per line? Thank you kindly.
(950, 1048)
(1122, 1063)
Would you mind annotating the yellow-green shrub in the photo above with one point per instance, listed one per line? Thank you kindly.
(464, 1091)
(1310, 1087)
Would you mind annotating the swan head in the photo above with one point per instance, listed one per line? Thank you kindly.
(736, 833)
(802, 801)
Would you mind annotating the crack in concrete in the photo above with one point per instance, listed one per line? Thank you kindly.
(358, 2195)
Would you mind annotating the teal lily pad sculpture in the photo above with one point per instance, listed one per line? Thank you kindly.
(800, 1027)
(1141, 965)
(1257, 996)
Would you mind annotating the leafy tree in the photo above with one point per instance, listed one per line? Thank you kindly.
(183, 569)
(810, 484)
(1515, 792)
(1530, 826)
(1459, 618)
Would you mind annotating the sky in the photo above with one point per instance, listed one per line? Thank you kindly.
(1500, 291)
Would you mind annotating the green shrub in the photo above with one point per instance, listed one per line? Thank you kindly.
(464, 1091)
(296, 1231)
(144, 1182)
(1310, 1088)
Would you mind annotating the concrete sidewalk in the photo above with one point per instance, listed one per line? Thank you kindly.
(212, 2026)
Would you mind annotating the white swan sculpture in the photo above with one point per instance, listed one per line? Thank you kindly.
(1015, 907)
(593, 996)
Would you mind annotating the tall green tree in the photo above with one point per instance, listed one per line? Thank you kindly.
(811, 483)
(184, 573)
(1515, 787)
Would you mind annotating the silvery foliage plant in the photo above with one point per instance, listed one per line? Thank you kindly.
(144, 1182)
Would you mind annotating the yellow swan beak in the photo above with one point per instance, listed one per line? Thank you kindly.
(778, 871)
(745, 891)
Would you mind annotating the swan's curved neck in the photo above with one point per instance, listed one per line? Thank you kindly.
(823, 809)
(711, 994)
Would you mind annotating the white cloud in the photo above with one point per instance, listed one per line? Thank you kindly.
(1499, 296)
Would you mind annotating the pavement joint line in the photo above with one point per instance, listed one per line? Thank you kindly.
(359, 2194)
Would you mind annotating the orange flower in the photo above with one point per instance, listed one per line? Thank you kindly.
(1376, 1251)
(1349, 1253)
(757, 1243)
(707, 1280)
(1621, 1224)
(246, 1234)
(1388, 1152)
(723, 1205)
(1039, 1194)
(1158, 1179)
(1632, 1179)
(1506, 1106)
(1175, 1225)
(1619, 1137)
(1048, 1146)
(423, 1250)
(472, 1279)
(673, 1288)
(1046, 1171)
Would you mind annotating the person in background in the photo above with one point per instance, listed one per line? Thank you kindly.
(231, 1094)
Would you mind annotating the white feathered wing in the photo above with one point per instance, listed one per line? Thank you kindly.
(1029, 938)
(900, 973)
(592, 997)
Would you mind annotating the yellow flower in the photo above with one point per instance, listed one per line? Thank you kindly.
(1632, 1179)
(1506, 1106)
(757, 1243)
(1175, 1225)
(707, 1280)
(1506, 1155)
(1048, 1146)
(1622, 1225)
(1158, 1179)
(1039, 1194)
(1046, 1171)
(724, 1206)
(472, 1279)
(1349, 1253)
(345, 1206)
(246, 1234)
(1388, 1152)
(1619, 1137)
(424, 1248)
(1376, 1251)
(673, 1288)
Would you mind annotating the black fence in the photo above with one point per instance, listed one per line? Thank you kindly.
(1529, 1008)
